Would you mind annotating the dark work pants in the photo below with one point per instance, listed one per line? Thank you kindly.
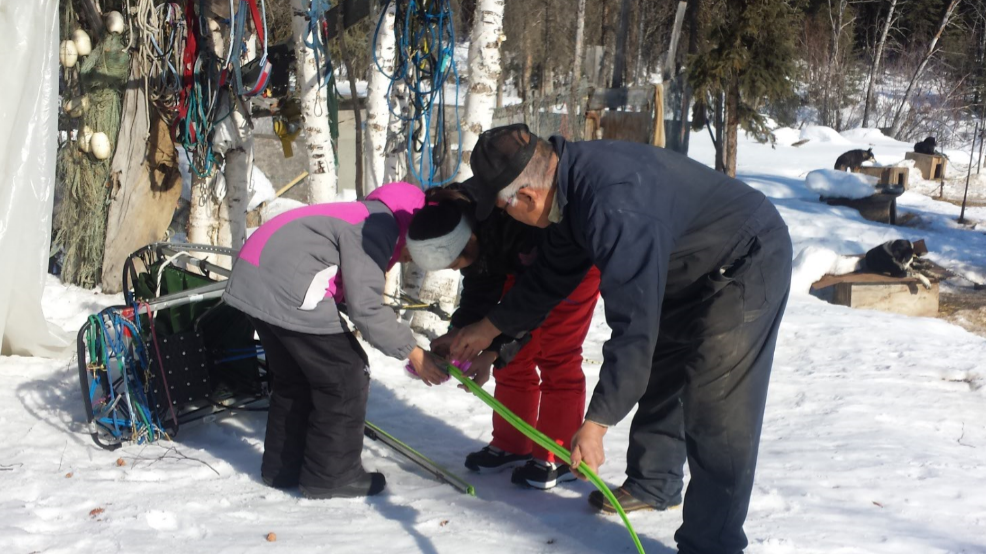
(317, 408)
(706, 395)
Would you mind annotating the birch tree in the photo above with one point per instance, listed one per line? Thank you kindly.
(484, 73)
(203, 216)
(395, 159)
(377, 104)
(238, 174)
(877, 58)
(898, 120)
(322, 179)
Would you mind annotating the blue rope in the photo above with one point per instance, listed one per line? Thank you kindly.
(131, 357)
(313, 39)
(425, 44)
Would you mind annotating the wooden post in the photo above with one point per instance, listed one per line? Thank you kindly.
(968, 175)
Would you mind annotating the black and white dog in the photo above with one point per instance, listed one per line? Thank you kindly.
(851, 160)
(893, 258)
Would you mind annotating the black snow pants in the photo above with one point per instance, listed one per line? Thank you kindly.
(317, 408)
(707, 390)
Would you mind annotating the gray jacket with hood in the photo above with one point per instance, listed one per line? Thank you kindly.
(294, 270)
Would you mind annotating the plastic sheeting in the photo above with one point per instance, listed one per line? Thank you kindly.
(28, 134)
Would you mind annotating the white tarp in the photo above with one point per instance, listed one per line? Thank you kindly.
(28, 135)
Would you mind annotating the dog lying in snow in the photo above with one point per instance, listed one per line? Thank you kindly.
(853, 159)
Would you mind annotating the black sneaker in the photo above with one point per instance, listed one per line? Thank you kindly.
(368, 484)
(491, 459)
(542, 475)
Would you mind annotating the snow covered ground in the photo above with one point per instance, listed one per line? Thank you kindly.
(874, 437)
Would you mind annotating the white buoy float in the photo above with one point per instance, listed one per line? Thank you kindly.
(67, 54)
(83, 45)
(99, 144)
(114, 22)
(77, 106)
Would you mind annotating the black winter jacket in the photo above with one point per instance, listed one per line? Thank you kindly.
(655, 223)
(506, 247)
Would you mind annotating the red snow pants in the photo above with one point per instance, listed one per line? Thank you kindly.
(553, 402)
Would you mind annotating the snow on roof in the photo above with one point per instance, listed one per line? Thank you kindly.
(841, 184)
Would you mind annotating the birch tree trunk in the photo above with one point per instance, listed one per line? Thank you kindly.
(395, 164)
(238, 173)
(315, 115)
(377, 106)
(484, 73)
(898, 120)
(203, 217)
(233, 140)
(877, 58)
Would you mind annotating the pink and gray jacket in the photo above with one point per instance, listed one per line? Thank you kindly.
(295, 268)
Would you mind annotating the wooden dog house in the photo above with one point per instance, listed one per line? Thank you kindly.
(887, 175)
(900, 295)
(932, 166)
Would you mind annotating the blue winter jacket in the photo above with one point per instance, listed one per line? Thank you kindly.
(655, 223)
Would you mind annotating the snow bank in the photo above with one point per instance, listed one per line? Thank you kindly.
(841, 184)
(263, 189)
(867, 135)
(278, 207)
(823, 134)
(786, 136)
(814, 262)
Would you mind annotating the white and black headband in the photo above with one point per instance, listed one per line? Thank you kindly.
(439, 252)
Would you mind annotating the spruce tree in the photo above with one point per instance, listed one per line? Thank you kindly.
(751, 60)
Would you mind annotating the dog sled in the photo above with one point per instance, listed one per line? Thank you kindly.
(175, 353)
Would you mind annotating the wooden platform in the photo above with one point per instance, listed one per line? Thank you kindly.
(887, 175)
(905, 296)
(932, 166)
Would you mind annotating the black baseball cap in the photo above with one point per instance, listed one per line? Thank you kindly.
(499, 157)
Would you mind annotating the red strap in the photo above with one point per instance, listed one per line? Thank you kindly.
(258, 22)
(188, 58)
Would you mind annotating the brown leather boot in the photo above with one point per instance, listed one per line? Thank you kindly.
(627, 501)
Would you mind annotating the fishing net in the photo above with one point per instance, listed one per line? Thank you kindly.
(80, 226)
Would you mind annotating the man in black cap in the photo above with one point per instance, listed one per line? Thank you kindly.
(695, 270)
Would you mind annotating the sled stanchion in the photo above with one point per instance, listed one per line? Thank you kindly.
(373, 432)
(545, 442)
